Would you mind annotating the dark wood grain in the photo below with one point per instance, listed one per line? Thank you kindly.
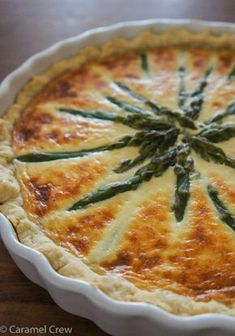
(23, 303)
(28, 26)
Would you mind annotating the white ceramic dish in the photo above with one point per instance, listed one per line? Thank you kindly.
(75, 296)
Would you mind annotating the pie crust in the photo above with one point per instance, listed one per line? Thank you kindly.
(40, 229)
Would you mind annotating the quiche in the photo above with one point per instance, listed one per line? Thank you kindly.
(119, 166)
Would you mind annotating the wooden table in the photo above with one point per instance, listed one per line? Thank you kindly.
(28, 26)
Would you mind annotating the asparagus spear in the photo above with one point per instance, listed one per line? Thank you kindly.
(90, 114)
(158, 164)
(210, 152)
(183, 168)
(128, 164)
(156, 167)
(130, 92)
(144, 62)
(231, 75)
(193, 104)
(134, 121)
(230, 110)
(108, 191)
(181, 195)
(183, 120)
(127, 107)
(182, 95)
(51, 156)
(222, 210)
(217, 133)
(148, 123)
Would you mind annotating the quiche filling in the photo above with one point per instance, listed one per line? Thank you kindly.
(128, 164)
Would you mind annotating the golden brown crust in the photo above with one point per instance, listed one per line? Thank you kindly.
(174, 298)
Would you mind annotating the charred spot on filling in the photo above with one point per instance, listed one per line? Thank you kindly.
(217, 104)
(43, 118)
(79, 243)
(33, 130)
(199, 59)
(114, 62)
(146, 262)
(137, 263)
(26, 134)
(165, 59)
(62, 89)
(97, 222)
(225, 60)
(199, 62)
(54, 134)
(166, 56)
(29, 126)
(41, 194)
(124, 258)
